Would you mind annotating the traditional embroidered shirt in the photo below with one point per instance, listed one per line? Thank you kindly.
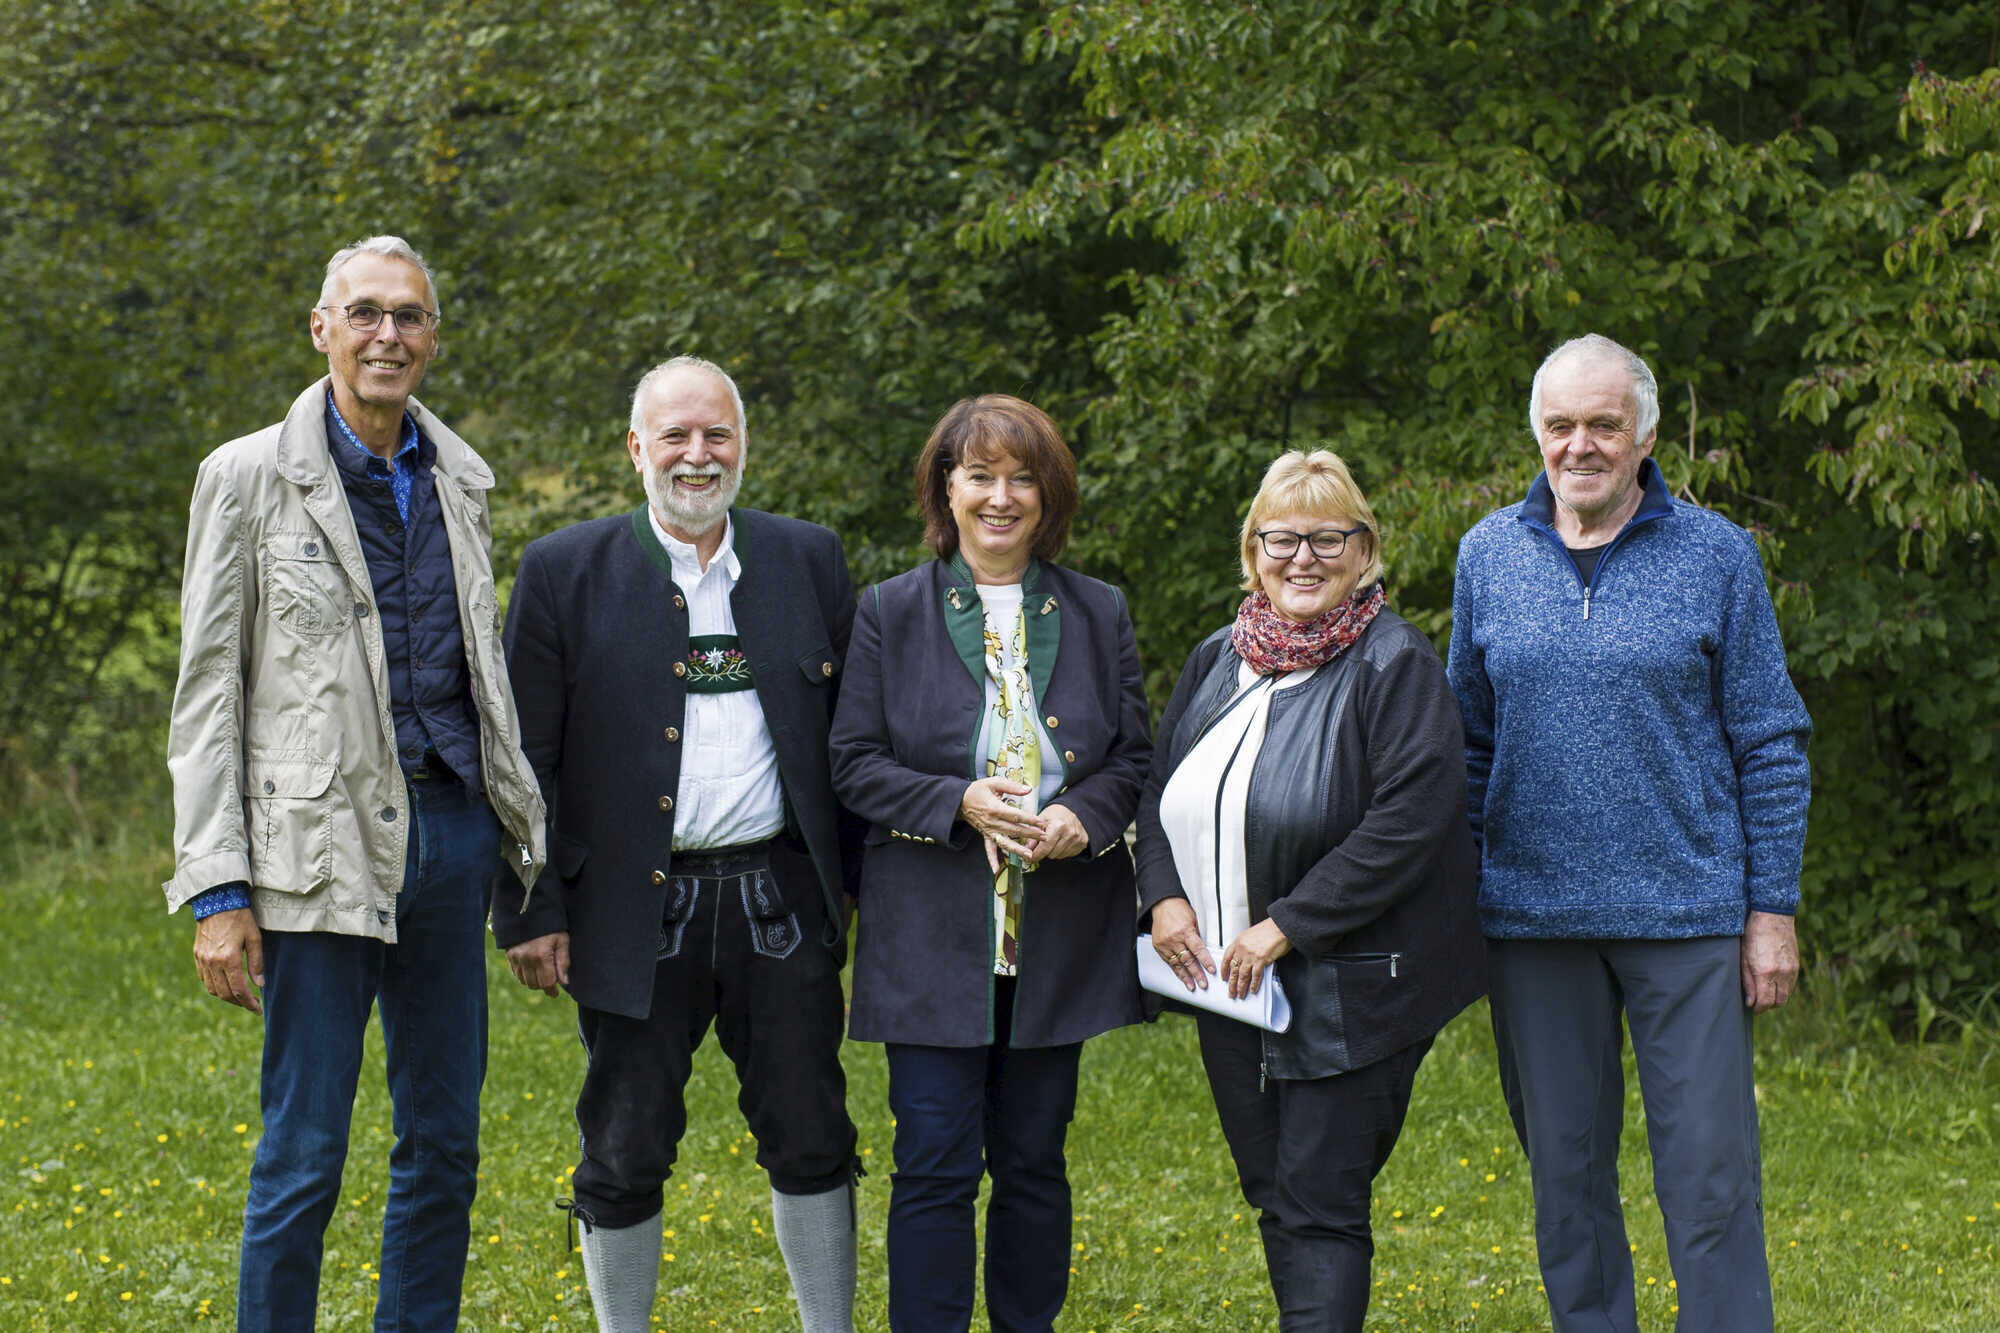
(729, 789)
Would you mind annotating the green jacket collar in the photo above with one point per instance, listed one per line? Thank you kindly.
(649, 542)
(966, 622)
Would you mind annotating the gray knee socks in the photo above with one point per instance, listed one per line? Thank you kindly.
(622, 1265)
(816, 1236)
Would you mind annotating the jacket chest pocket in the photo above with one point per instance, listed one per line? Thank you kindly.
(305, 589)
(290, 821)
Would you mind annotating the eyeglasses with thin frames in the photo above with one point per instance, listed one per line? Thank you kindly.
(364, 317)
(1327, 543)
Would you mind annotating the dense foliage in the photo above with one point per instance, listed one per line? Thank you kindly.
(1196, 231)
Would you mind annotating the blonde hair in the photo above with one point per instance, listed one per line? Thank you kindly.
(1317, 484)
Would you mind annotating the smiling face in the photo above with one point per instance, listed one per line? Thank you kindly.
(1307, 586)
(374, 373)
(997, 503)
(690, 453)
(1587, 428)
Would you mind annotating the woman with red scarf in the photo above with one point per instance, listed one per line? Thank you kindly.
(1305, 819)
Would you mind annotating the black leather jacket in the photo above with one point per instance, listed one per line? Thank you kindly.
(1357, 844)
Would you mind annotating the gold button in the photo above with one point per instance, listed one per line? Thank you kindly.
(826, 668)
(680, 668)
(673, 733)
(1069, 756)
(659, 877)
(1051, 720)
(680, 602)
(666, 803)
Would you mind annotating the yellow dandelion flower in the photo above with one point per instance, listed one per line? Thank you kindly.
(67, 1299)
(239, 1129)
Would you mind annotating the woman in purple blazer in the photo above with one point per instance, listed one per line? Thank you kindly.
(992, 730)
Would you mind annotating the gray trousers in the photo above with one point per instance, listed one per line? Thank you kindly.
(1556, 1010)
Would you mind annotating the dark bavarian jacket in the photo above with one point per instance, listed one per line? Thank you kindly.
(903, 752)
(1357, 841)
(595, 629)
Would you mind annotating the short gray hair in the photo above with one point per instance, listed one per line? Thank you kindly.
(668, 367)
(1596, 347)
(395, 247)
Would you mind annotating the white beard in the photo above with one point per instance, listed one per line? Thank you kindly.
(691, 511)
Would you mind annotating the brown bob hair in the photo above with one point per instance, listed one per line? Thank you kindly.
(979, 430)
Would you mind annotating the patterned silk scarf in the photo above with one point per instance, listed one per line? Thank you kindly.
(1271, 644)
(1014, 753)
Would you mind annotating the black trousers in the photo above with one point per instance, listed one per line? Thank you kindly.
(1307, 1153)
(739, 948)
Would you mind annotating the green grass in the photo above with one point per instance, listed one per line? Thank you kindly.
(128, 1116)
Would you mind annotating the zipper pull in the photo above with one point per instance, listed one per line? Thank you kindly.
(1586, 601)
(526, 859)
(1261, 1076)
(1394, 959)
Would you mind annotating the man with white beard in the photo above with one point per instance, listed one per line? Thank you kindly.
(676, 669)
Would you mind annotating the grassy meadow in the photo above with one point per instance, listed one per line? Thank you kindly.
(128, 1116)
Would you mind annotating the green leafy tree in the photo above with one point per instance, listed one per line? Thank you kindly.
(1381, 217)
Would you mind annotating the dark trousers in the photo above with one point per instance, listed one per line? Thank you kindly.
(961, 1110)
(1555, 1021)
(318, 990)
(739, 948)
(1307, 1152)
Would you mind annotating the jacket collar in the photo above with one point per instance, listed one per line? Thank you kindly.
(1655, 500)
(965, 620)
(303, 456)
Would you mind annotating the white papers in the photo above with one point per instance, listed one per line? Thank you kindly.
(1267, 1009)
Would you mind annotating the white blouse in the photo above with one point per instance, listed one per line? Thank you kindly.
(1202, 807)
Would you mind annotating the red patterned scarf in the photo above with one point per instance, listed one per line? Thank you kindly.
(1271, 644)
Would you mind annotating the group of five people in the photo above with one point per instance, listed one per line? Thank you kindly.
(691, 751)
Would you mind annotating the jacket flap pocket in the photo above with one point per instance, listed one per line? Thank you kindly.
(568, 853)
(298, 778)
(819, 666)
(287, 545)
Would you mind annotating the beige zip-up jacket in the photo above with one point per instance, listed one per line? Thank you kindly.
(282, 747)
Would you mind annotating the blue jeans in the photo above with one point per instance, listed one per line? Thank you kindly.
(961, 1112)
(318, 990)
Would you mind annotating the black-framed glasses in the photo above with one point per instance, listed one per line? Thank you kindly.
(364, 317)
(1327, 543)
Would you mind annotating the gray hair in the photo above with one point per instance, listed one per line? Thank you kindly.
(1598, 348)
(668, 367)
(395, 247)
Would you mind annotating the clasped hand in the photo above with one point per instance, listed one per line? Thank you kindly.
(1177, 937)
(1006, 828)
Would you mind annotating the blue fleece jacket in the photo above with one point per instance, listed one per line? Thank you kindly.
(1635, 752)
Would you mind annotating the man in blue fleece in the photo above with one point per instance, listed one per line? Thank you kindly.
(1636, 765)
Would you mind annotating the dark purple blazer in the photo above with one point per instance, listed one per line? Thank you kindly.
(902, 748)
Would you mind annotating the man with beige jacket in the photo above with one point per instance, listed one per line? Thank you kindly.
(347, 775)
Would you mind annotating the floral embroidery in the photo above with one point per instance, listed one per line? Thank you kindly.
(716, 664)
